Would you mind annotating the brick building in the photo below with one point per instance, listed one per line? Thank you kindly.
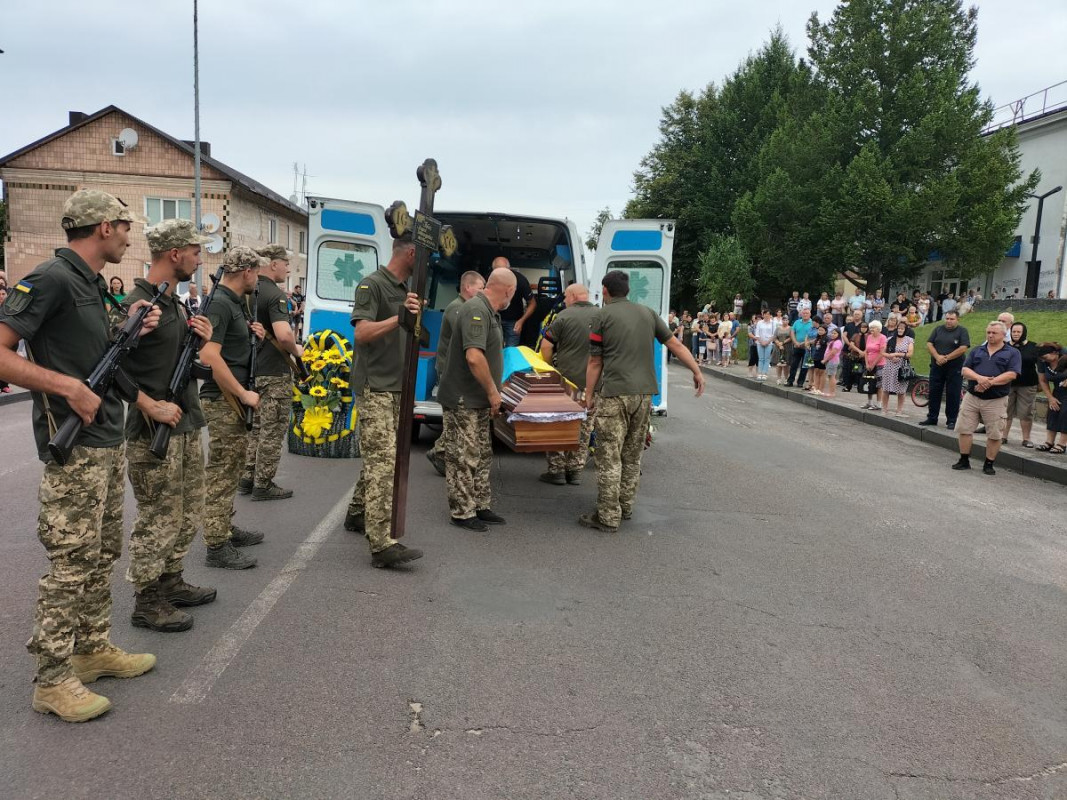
(155, 178)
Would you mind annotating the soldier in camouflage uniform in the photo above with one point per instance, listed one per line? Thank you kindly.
(170, 493)
(622, 371)
(274, 380)
(223, 398)
(60, 310)
(470, 395)
(377, 373)
(566, 346)
(470, 283)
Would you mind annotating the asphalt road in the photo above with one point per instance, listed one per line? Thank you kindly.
(802, 607)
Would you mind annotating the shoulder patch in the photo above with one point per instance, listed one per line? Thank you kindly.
(19, 299)
(363, 297)
(283, 304)
(476, 319)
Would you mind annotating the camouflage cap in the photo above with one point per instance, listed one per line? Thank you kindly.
(91, 207)
(274, 251)
(241, 258)
(172, 233)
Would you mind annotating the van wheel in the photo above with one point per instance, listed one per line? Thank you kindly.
(416, 429)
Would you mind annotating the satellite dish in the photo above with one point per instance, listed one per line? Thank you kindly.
(210, 223)
(128, 137)
(215, 245)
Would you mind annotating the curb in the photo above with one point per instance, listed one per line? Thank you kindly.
(1015, 462)
(14, 397)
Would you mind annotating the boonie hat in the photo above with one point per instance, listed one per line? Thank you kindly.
(172, 233)
(241, 258)
(274, 251)
(91, 207)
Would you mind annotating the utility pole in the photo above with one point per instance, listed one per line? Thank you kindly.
(197, 216)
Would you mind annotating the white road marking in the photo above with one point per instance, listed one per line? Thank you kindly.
(201, 680)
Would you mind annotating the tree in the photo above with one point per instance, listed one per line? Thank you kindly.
(593, 237)
(892, 165)
(725, 270)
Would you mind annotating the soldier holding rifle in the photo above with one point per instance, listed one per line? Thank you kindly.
(377, 372)
(278, 355)
(224, 399)
(169, 492)
(60, 310)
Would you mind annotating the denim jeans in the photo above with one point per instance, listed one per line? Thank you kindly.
(764, 352)
(511, 339)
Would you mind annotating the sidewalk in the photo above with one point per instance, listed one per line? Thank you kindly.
(16, 394)
(1012, 456)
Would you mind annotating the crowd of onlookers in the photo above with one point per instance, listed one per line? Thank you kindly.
(866, 344)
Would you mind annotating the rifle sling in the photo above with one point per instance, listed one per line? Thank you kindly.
(52, 428)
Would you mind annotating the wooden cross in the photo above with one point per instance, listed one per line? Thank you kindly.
(430, 236)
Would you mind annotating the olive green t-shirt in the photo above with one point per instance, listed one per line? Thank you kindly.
(444, 339)
(273, 307)
(151, 364)
(621, 333)
(379, 365)
(59, 310)
(229, 324)
(476, 326)
(569, 335)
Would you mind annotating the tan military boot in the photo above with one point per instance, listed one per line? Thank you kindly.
(70, 701)
(111, 663)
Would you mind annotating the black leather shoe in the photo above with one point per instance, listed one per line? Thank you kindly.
(470, 524)
(962, 464)
(490, 516)
(987, 468)
(928, 422)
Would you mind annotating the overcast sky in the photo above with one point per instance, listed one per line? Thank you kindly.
(539, 107)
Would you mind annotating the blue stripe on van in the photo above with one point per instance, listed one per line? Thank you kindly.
(636, 240)
(332, 219)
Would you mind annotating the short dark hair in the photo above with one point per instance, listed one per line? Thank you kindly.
(83, 232)
(617, 283)
(403, 241)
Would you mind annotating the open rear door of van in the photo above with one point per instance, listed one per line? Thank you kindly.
(347, 241)
(643, 249)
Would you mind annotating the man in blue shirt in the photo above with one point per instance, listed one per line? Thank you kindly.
(798, 333)
(989, 370)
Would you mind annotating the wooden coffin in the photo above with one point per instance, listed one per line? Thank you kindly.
(537, 393)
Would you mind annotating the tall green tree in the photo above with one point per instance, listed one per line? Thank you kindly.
(725, 270)
(592, 237)
(892, 165)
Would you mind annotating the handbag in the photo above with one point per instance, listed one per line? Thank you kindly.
(906, 371)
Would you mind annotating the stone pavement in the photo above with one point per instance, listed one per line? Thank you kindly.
(1012, 456)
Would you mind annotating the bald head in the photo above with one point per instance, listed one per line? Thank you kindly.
(500, 287)
(501, 263)
(576, 293)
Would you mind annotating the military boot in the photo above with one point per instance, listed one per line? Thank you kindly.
(111, 662)
(437, 461)
(555, 478)
(244, 486)
(179, 593)
(239, 537)
(272, 492)
(226, 556)
(70, 701)
(593, 521)
(393, 555)
(574, 477)
(355, 522)
(152, 610)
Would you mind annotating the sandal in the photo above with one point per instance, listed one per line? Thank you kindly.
(1028, 444)
(1057, 450)
(1044, 447)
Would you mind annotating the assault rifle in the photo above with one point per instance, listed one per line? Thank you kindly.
(107, 373)
(187, 369)
(250, 381)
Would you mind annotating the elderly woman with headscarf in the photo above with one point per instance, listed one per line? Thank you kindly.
(1023, 388)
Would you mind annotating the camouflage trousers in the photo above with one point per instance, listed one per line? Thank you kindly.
(621, 428)
(80, 526)
(269, 428)
(227, 443)
(379, 416)
(468, 457)
(170, 506)
(573, 460)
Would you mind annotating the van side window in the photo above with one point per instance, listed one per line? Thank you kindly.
(646, 281)
(342, 265)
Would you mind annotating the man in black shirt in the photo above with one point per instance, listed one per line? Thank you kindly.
(948, 344)
(522, 306)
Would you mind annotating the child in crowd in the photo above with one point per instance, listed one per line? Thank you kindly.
(702, 343)
(727, 344)
(832, 360)
(818, 354)
(784, 347)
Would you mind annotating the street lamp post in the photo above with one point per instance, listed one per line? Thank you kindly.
(1037, 228)
(196, 131)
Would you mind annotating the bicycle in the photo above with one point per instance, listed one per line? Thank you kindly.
(919, 390)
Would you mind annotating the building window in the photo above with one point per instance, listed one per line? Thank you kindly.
(302, 241)
(158, 209)
(288, 236)
(272, 230)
